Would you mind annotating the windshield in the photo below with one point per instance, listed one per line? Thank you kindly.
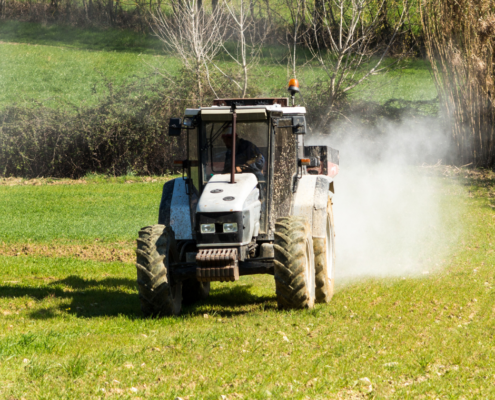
(251, 148)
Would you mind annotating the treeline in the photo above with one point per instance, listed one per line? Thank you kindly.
(276, 16)
(80, 13)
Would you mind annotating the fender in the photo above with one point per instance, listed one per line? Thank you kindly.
(310, 201)
(174, 209)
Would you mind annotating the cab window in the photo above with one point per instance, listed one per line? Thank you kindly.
(251, 148)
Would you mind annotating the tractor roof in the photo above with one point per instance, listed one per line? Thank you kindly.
(261, 110)
(248, 108)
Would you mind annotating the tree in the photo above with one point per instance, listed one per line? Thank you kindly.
(344, 41)
(248, 41)
(193, 33)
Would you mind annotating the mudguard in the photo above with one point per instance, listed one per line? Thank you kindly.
(174, 209)
(310, 201)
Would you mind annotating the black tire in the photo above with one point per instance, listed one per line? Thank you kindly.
(194, 291)
(156, 250)
(294, 263)
(324, 250)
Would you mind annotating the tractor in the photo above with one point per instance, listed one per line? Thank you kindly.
(225, 218)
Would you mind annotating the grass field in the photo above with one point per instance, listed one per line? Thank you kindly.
(58, 65)
(70, 324)
(56, 68)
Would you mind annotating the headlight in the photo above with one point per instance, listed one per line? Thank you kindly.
(229, 228)
(207, 228)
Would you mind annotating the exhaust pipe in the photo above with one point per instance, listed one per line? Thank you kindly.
(234, 139)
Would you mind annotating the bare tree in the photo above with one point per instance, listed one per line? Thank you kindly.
(194, 34)
(344, 40)
(294, 23)
(248, 41)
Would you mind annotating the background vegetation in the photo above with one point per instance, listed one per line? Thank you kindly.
(461, 47)
(103, 60)
(74, 101)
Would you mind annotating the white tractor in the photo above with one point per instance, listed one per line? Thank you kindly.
(252, 200)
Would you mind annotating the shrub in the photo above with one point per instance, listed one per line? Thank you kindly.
(126, 132)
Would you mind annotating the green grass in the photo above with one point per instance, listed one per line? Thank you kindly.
(102, 211)
(76, 38)
(412, 81)
(56, 75)
(59, 65)
(71, 328)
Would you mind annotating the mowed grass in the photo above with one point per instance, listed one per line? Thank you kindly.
(71, 328)
(60, 66)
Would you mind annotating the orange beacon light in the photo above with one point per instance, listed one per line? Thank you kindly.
(293, 89)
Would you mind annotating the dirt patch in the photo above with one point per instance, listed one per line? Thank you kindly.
(62, 181)
(108, 252)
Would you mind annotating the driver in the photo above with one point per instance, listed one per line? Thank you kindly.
(248, 157)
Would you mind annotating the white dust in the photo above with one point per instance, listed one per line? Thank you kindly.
(387, 209)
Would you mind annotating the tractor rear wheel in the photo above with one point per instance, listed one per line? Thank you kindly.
(324, 250)
(156, 250)
(294, 263)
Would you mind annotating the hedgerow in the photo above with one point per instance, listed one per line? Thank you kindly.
(125, 133)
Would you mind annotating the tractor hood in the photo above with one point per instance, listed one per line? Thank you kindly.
(220, 195)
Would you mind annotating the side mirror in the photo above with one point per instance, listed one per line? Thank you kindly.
(174, 127)
(298, 125)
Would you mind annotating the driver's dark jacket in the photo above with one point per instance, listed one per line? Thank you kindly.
(247, 156)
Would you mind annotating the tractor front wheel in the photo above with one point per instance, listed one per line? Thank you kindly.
(294, 263)
(156, 250)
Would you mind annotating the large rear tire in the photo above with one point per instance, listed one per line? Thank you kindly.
(156, 250)
(294, 263)
(324, 249)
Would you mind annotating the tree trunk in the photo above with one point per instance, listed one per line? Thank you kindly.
(85, 6)
(110, 11)
(319, 14)
(268, 12)
(303, 14)
(199, 83)
(116, 11)
(90, 9)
